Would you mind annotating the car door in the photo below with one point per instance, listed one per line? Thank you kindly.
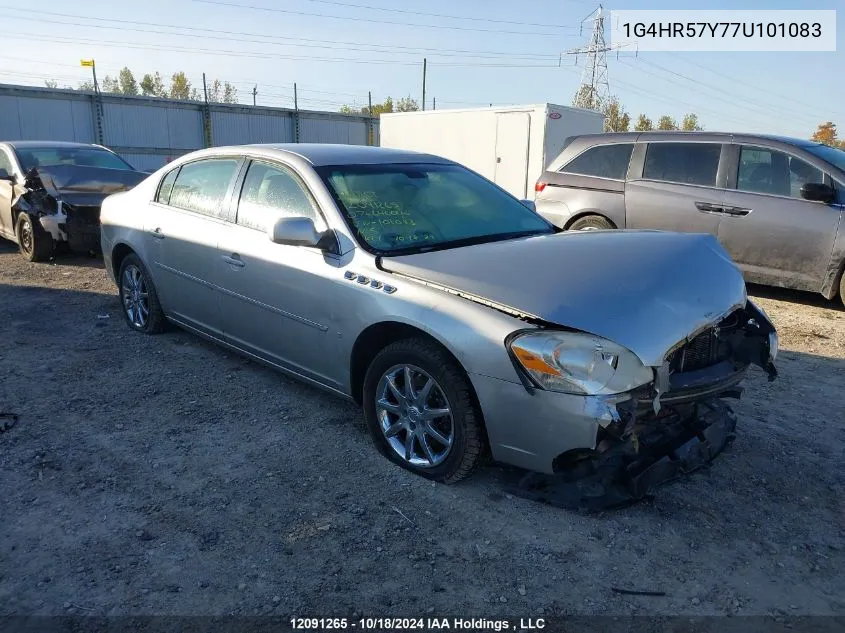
(7, 169)
(776, 236)
(182, 231)
(277, 299)
(678, 189)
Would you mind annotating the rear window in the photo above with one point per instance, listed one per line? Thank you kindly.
(604, 161)
(685, 163)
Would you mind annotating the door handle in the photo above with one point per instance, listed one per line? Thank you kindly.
(707, 207)
(737, 211)
(156, 233)
(234, 259)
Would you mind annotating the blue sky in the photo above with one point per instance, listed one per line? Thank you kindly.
(496, 55)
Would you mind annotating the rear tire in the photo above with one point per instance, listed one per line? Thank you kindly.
(591, 223)
(35, 244)
(842, 287)
(444, 447)
(138, 298)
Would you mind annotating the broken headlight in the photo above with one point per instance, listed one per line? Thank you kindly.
(572, 362)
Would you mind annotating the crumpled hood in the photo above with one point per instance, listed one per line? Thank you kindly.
(646, 290)
(85, 185)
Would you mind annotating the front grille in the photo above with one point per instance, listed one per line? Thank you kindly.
(710, 347)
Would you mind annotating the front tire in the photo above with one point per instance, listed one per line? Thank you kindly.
(421, 413)
(591, 223)
(35, 244)
(138, 297)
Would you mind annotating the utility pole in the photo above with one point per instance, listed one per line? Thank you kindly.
(434, 103)
(98, 101)
(206, 114)
(595, 88)
(424, 69)
(254, 93)
(371, 132)
(296, 115)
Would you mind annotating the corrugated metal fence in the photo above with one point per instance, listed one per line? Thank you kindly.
(148, 132)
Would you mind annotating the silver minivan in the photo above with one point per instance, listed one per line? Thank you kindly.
(774, 203)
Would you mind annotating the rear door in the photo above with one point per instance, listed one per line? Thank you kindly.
(680, 187)
(776, 236)
(186, 220)
(513, 131)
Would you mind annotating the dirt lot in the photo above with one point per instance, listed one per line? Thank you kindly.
(164, 475)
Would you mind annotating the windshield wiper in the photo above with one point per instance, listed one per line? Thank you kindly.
(467, 241)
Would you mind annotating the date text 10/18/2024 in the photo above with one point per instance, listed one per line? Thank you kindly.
(417, 624)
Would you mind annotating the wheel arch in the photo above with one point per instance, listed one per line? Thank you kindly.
(118, 254)
(376, 337)
(584, 213)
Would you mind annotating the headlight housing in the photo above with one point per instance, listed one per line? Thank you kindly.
(579, 363)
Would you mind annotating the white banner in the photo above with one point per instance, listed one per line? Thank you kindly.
(724, 30)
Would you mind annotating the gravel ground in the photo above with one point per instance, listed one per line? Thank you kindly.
(163, 475)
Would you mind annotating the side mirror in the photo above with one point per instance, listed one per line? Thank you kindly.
(301, 231)
(530, 204)
(818, 192)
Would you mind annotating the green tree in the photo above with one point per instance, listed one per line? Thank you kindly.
(180, 87)
(110, 84)
(586, 97)
(616, 119)
(690, 123)
(87, 86)
(126, 80)
(644, 124)
(666, 123)
(406, 104)
(51, 83)
(153, 86)
(222, 92)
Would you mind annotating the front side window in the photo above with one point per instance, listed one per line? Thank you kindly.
(604, 161)
(202, 185)
(395, 208)
(684, 163)
(776, 173)
(79, 156)
(270, 192)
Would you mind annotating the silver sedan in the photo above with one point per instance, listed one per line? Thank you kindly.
(464, 323)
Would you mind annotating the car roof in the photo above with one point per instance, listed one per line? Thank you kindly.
(48, 144)
(650, 135)
(319, 154)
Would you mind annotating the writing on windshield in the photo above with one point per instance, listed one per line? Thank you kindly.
(395, 206)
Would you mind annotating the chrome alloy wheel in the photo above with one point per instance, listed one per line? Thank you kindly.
(415, 416)
(136, 301)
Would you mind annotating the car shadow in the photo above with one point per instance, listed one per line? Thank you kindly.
(795, 296)
(61, 257)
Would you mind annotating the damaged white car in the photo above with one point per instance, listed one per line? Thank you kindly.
(50, 194)
(464, 323)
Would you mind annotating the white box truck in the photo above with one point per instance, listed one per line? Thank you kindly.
(509, 145)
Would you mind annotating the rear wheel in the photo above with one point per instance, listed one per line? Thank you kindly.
(34, 242)
(591, 223)
(842, 287)
(420, 411)
(138, 297)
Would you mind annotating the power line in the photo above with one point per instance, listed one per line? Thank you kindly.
(374, 21)
(443, 15)
(320, 43)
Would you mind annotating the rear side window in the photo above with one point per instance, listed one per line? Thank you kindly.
(685, 163)
(202, 185)
(604, 161)
(270, 192)
(166, 186)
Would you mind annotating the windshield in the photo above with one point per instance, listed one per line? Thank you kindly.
(835, 157)
(400, 208)
(82, 156)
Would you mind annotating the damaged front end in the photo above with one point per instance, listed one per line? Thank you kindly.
(671, 427)
(65, 200)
